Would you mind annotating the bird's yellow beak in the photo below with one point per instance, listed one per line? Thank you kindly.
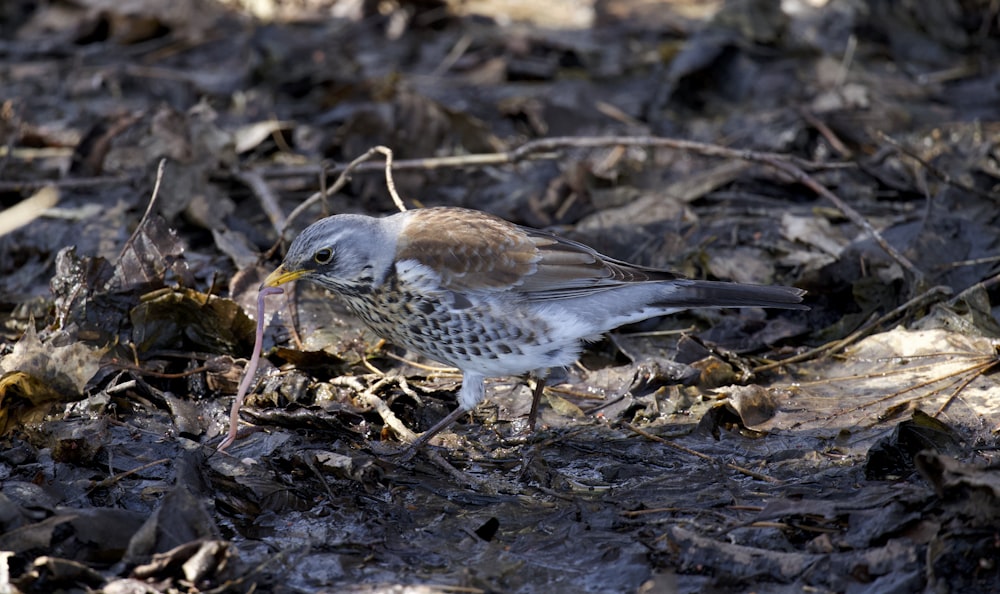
(281, 276)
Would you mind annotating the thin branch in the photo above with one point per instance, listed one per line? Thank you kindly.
(925, 298)
(425, 164)
(28, 210)
(854, 216)
(793, 166)
(977, 373)
(149, 210)
(340, 182)
(268, 201)
(368, 397)
(937, 172)
(67, 183)
(389, 182)
(680, 448)
(954, 376)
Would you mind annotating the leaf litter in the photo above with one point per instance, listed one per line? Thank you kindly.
(849, 448)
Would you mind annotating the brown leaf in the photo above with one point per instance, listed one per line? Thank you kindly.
(66, 368)
(184, 319)
(152, 250)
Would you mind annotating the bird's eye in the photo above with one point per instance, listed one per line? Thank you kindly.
(323, 256)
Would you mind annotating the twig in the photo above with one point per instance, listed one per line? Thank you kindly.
(425, 164)
(454, 55)
(936, 171)
(368, 397)
(854, 216)
(924, 298)
(268, 201)
(340, 182)
(788, 164)
(680, 448)
(460, 477)
(902, 372)
(976, 373)
(438, 369)
(847, 60)
(548, 149)
(980, 286)
(389, 182)
(130, 244)
(977, 370)
(116, 478)
(831, 137)
(28, 209)
(785, 163)
(69, 183)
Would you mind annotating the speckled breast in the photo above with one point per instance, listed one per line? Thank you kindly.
(453, 329)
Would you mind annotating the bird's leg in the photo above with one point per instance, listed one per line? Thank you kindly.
(536, 397)
(469, 395)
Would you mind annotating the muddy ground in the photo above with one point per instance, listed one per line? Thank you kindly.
(847, 148)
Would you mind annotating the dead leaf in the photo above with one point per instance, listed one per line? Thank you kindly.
(66, 368)
(184, 319)
(37, 375)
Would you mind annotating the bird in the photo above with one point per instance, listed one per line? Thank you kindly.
(490, 297)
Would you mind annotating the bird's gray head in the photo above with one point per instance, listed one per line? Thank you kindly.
(344, 253)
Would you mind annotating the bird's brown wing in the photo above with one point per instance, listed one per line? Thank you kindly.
(475, 251)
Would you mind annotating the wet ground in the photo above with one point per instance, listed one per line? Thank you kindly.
(849, 150)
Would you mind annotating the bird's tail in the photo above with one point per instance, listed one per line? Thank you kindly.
(698, 293)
